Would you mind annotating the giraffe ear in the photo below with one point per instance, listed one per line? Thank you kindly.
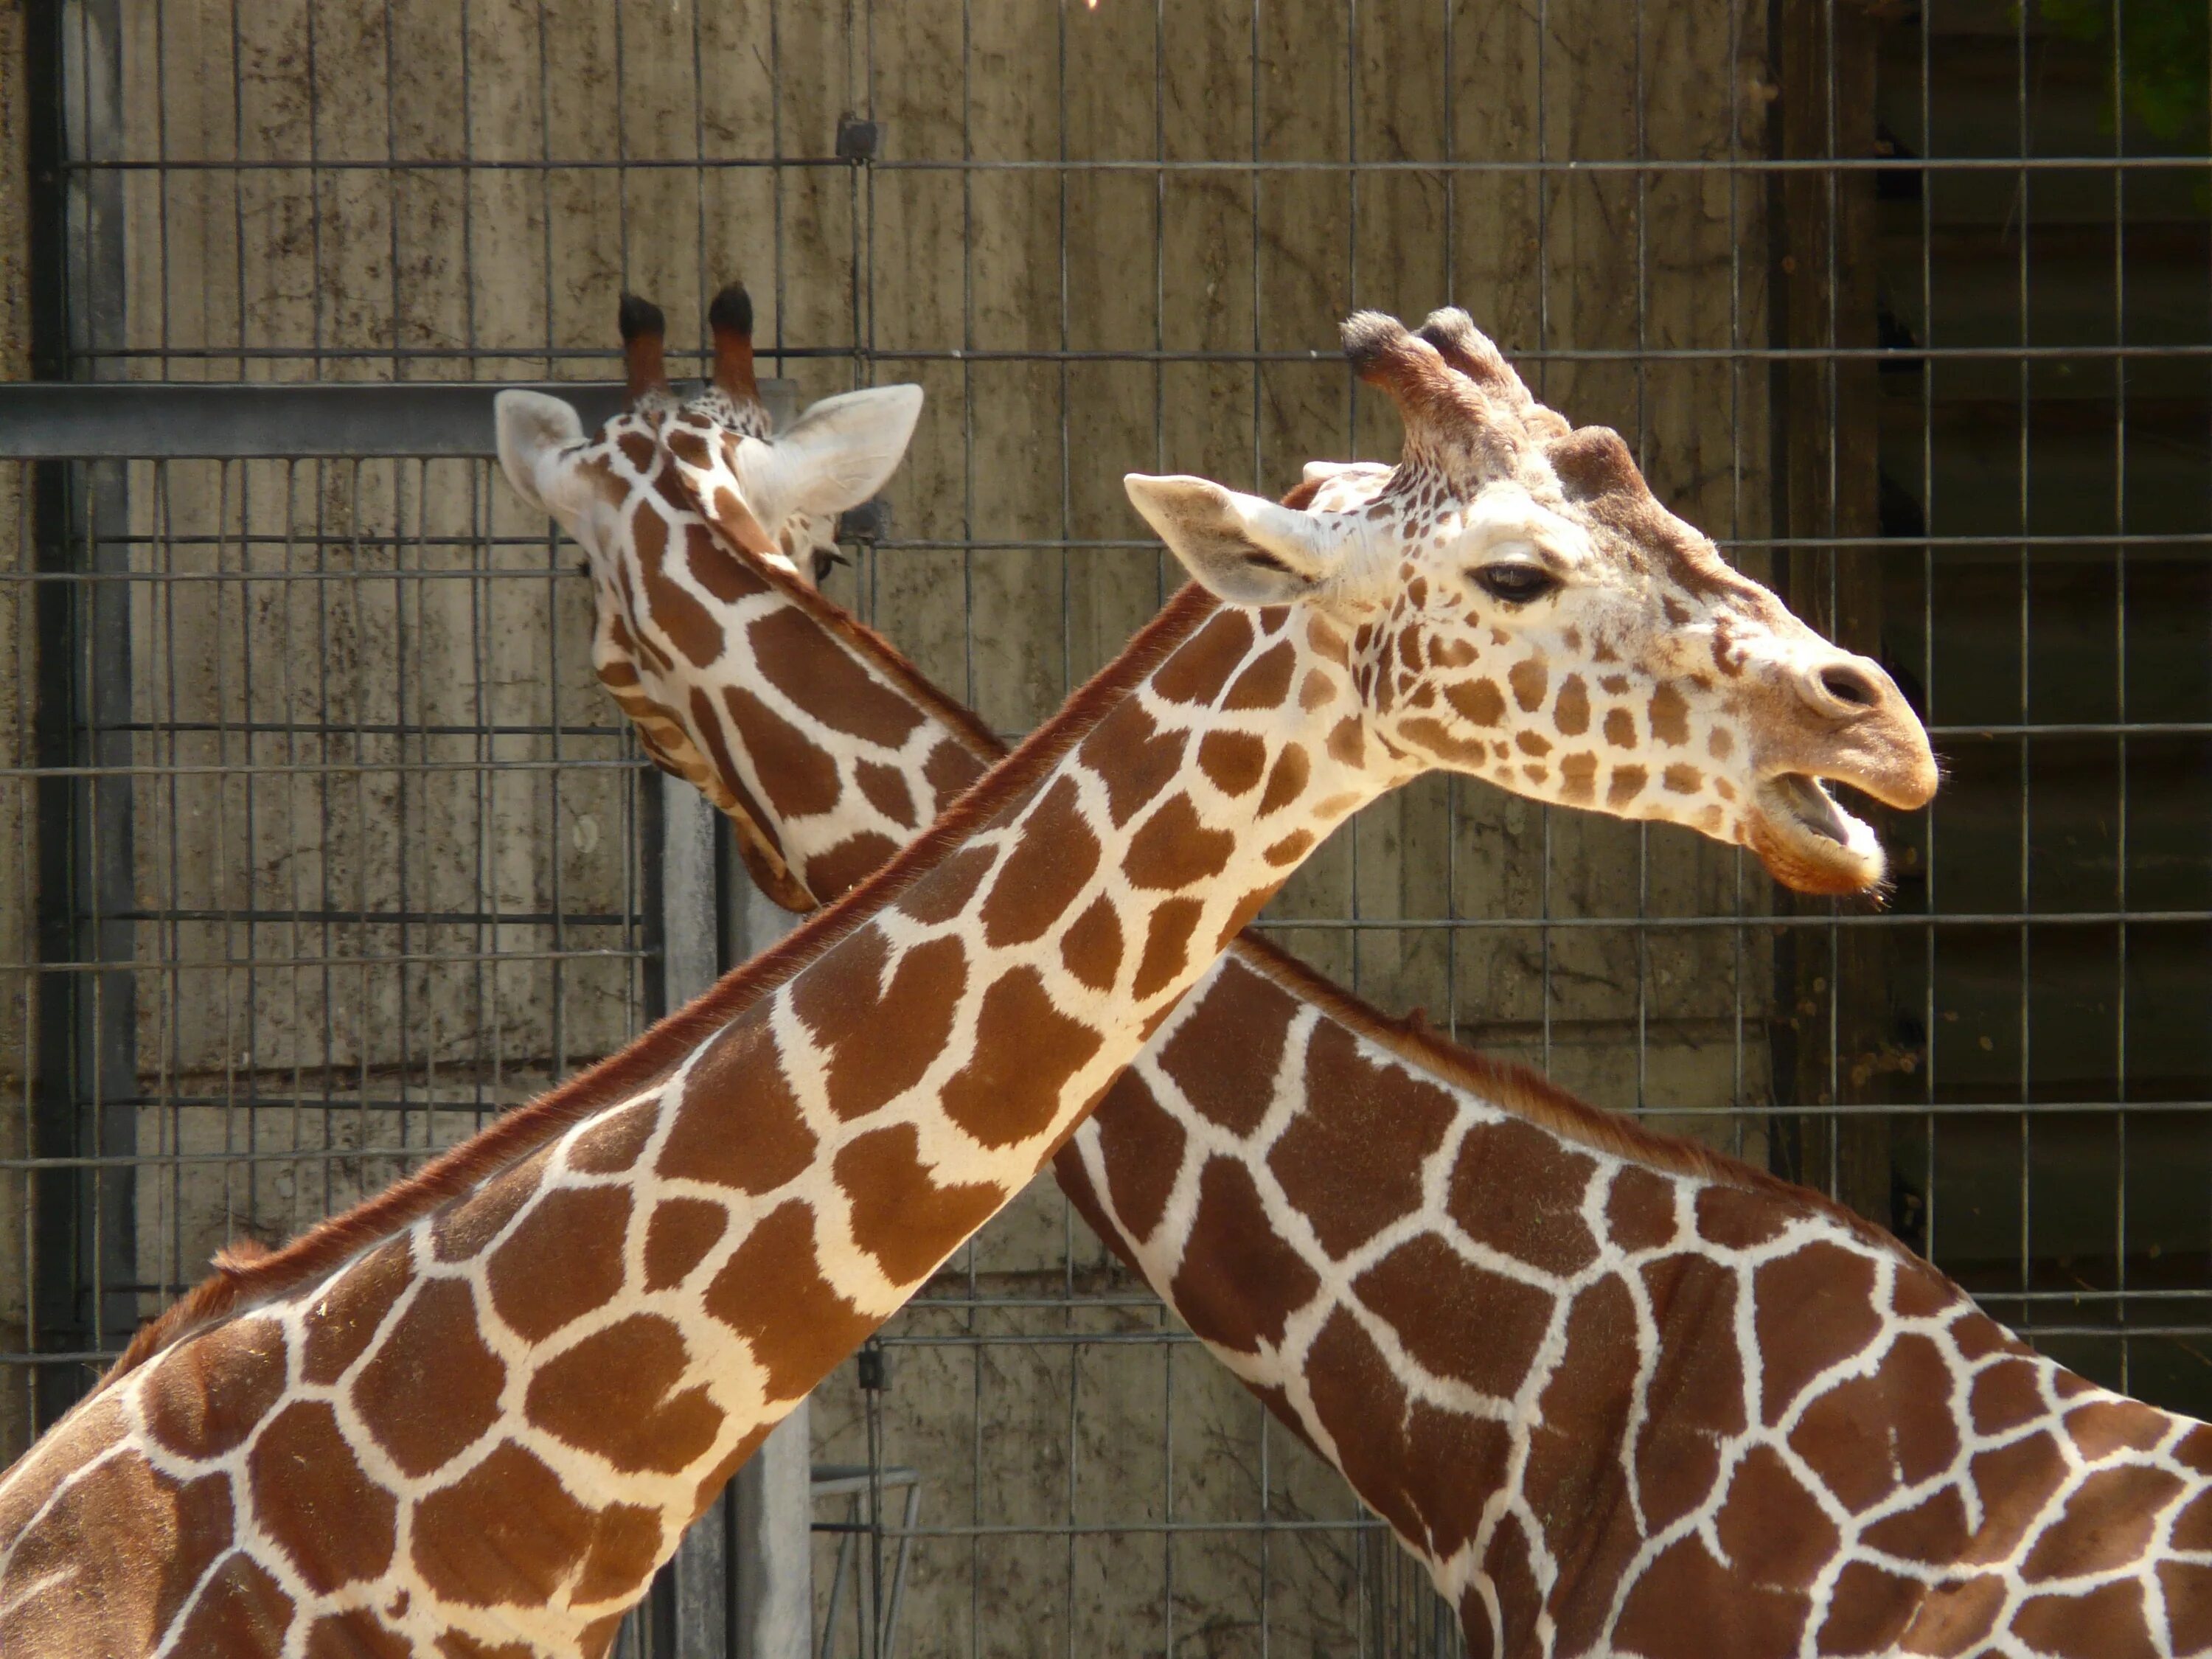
(835, 455)
(1240, 549)
(533, 429)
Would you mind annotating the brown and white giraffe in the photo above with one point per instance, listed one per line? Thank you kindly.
(1617, 1394)
(473, 1415)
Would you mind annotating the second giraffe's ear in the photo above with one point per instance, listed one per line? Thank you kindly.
(835, 456)
(533, 429)
(1239, 548)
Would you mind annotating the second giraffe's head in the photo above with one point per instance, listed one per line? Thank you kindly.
(776, 494)
(1522, 608)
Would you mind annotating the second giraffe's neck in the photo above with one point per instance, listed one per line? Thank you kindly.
(1517, 1325)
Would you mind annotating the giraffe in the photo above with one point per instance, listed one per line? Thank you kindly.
(473, 1415)
(1450, 1279)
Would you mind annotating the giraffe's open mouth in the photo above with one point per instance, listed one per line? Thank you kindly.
(1807, 842)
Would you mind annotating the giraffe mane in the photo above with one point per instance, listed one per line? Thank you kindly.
(244, 1280)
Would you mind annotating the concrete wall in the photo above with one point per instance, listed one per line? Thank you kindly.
(1013, 575)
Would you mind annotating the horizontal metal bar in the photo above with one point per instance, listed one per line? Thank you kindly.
(1752, 164)
(326, 768)
(2082, 729)
(1884, 919)
(156, 420)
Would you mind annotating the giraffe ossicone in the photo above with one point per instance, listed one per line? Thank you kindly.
(1543, 1345)
(481, 1408)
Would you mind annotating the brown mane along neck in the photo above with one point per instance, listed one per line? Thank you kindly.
(240, 1282)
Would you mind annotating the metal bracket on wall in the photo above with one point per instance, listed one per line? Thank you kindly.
(858, 140)
(163, 420)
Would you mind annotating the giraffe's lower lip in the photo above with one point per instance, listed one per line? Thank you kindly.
(1809, 842)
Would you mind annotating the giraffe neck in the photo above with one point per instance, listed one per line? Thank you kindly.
(1518, 1327)
(495, 1422)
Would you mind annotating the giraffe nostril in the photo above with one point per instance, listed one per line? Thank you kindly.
(1846, 684)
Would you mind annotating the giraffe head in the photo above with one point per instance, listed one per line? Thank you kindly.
(776, 494)
(1523, 608)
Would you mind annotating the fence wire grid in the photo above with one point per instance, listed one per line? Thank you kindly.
(322, 845)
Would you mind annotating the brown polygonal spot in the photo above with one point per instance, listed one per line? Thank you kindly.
(2193, 1527)
(1574, 1462)
(821, 676)
(1167, 945)
(772, 1294)
(1737, 1219)
(1625, 785)
(2187, 1587)
(1174, 850)
(2007, 1394)
(625, 1548)
(1955, 1616)
(1458, 1321)
(314, 1502)
(1571, 713)
(1090, 949)
(1865, 1434)
(836, 871)
(1232, 760)
(799, 778)
(611, 1145)
(1052, 860)
(2107, 1523)
(1479, 702)
(689, 625)
(1286, 779)
(1510, 1562)
(1225, 1054)
(350, 1308)
(242, 1612)
(1140, 1147)
(1238, 1282)
(1695, 1400)
(1867, 1609)
(205, 1397)
(1685, 1589)
(1519, 1189)
(1350, 1160)
(900, 1213)
(1772, 1530)
(505, 1535)
(1456, 1462)
(1201, 665)
(1025, 1052)
(2108, 1622)
(946, 890)
(431, 1386)
(886, 790)
(678, 1237)
(1361, 1405)
(613, 1395)
(460, 1645)
(1620, 728)
(471, 1221)
(1128, 754)
(1934, 1530)
(562, 1261)
(2015, 1482)
(2104, 1426)
(1681, 779)
(738, 1124)
(1267, 682)
(1639, 1210)
(1670, 716)
(356, 1634)
(882, 1037)
(948, 771)
(1815, 1310)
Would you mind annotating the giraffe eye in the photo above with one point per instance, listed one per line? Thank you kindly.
(1515, 583)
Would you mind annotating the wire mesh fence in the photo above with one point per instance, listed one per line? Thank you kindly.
(324, 845)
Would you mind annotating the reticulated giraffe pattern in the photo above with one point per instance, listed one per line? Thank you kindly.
(473, 1415)
(1612, 1389)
